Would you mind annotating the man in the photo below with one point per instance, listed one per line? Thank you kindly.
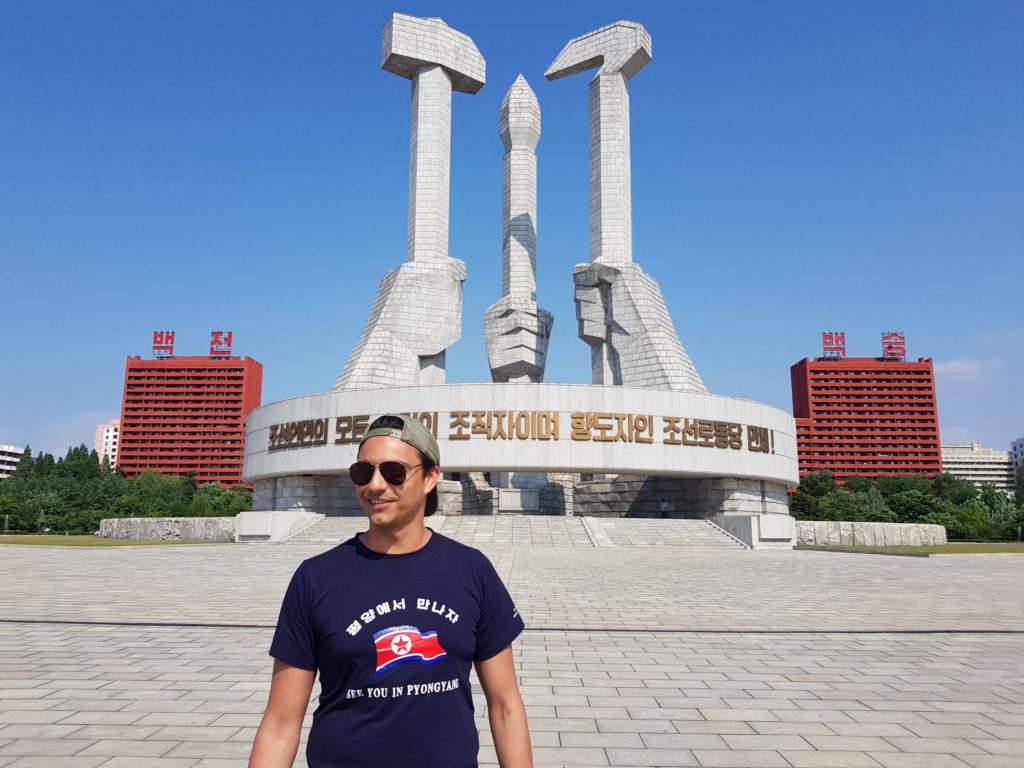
(392, 619)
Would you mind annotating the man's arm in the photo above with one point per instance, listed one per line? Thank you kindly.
(505, 710)
(277, 739)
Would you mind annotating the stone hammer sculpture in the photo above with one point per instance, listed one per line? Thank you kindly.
(417, 313)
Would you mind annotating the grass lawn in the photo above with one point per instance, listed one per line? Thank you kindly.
(57, 540)
(953, 548)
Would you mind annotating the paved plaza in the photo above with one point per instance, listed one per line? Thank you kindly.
(637, 652)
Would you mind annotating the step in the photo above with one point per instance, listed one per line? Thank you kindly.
(540, 531)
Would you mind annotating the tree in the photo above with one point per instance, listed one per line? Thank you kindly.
(910, 506)
(25, 464)
(972, 517)
(240, 500)
(215, 500)
(818, 483)
(858, 484)
(1001, 513)
(890, 485)
(953, 489)
(126, 506)
(45, 509)
(43, 465)
(872, 507)
(18, 517)
(75, 491)
(837, 504)
(803, 506)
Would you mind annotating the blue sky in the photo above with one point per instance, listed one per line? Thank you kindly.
(797, 167)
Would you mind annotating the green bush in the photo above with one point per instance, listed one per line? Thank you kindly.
(75, 492)
(838, 504)
(965, 511)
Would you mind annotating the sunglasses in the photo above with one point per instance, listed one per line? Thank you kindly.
(393, 472)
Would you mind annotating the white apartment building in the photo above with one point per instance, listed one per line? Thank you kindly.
(10, 455)
(105, 443)
(1017, 452)
(979, 465)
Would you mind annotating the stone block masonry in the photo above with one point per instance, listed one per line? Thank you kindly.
(169, 528)
(416, 316)
(843, 534)
(621, 312)
(637, 496)
(417, 313)
(516, 329)
(623, 317)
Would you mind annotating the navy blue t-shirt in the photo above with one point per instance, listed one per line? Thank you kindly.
(393, 638)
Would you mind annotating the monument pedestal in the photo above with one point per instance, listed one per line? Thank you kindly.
(704, 456)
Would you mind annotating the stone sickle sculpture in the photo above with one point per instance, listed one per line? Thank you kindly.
(621, 312)
(417, 313)
(516, 331)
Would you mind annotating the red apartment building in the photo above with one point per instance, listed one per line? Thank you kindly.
(866, 416)
(187, 414)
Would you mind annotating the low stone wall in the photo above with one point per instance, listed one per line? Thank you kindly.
(558, 496)
(839, 534)
(169, 528)
(449, 498)
(332, 495)
(478, 498)
(638, 496)
(335, 495)
(562, 494)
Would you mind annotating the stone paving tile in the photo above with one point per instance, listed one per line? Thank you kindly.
(154, 762)
(670, 758)
(51, 761)
(626, 662)
(804, 759)
(902, 760)
(725, 759)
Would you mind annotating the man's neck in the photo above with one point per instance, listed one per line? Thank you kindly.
(397, 541)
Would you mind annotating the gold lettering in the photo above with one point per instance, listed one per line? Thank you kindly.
(342, 426)
(499, 425)
(459, 423)
(581, 424)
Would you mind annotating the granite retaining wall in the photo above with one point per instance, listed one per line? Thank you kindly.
(640, 496)
(839, 534)
(169, 528)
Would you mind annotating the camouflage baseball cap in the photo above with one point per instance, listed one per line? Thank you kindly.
(412, 432)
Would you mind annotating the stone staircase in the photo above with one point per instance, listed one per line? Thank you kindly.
(329, 530)
(541, 531)
(641, 532)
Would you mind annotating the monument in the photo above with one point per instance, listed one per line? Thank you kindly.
(417, 313)
(516, 331)
(621, 311)
(644, 439)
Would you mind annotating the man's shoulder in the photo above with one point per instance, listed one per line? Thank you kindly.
(329, 560)
(458, 552)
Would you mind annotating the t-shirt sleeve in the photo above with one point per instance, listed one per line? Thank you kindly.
(500, 622)
(294, 639)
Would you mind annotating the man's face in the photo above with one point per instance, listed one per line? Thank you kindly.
(394, 506)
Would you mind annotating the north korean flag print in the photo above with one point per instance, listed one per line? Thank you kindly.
(406, 643)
